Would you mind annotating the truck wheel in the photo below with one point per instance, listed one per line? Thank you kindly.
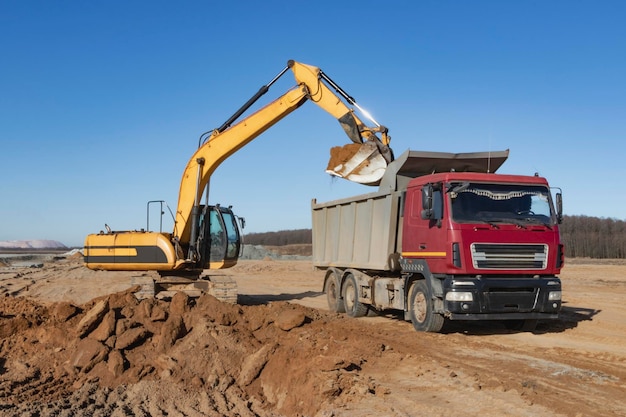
(335, 304)
(351, 303)
(421, 307)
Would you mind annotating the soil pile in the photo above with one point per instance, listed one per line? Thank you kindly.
(200, 356)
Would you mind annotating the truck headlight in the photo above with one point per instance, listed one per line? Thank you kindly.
(459, 296)
(554, 295)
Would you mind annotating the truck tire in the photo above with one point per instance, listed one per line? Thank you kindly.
(351, 303)
(421, 309)
(333, 291)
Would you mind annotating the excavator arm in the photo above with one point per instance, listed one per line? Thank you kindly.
(364, 163)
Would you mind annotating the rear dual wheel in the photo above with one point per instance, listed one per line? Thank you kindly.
(351, 303)
(333, 291)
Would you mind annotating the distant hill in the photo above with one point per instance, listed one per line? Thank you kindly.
(31, 244)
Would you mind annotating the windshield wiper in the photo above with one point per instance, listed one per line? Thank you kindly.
(535, 220)
(458, 187)
(494, 222)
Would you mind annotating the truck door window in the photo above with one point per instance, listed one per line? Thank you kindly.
(508, 203)
(437, 204)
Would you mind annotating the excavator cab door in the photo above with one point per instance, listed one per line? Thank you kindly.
(220, 239)
(233, 235)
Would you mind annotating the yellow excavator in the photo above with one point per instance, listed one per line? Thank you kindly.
(208, 236)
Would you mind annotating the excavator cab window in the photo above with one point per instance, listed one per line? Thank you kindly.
(217, 236)
(233, 236)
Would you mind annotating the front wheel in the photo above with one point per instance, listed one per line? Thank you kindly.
(421, 309)
(351, 303)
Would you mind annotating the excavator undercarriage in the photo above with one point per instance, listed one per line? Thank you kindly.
(222, 287)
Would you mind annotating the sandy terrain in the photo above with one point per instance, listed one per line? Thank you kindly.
(75, 341)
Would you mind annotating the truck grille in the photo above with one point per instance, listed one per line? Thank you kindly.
(509, 256)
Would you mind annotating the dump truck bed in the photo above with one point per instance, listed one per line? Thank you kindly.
(358, 232)
(365, 231)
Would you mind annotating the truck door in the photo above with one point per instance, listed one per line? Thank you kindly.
(424, 235)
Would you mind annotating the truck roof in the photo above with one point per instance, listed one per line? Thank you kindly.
(479, 177)
(412, 164)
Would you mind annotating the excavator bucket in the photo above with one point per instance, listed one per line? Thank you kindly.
(362, 163)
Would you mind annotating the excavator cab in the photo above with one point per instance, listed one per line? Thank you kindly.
(219, 241)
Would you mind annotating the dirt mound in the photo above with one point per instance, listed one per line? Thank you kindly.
(115, 352)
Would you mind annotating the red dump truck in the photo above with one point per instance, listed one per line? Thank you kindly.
(444, 238)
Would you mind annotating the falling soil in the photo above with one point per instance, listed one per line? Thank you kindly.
(339, 155)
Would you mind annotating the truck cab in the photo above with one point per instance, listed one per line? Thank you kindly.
(487, 244)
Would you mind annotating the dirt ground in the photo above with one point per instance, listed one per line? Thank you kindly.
(77, 342)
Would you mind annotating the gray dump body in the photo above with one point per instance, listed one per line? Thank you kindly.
(357, 232)
(364, 232)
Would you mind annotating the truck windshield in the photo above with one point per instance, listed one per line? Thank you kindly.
(500, 203)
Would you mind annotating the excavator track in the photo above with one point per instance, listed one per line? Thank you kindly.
(224, 288)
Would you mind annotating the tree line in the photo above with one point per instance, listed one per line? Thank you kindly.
(280, 238)
(593, 237)
(583, 237)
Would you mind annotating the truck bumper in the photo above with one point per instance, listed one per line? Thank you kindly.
(504, 316)
(501, 298)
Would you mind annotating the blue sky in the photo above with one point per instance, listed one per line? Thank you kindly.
(102, 103)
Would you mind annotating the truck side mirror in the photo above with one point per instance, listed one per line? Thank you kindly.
(427, 202)
(559, 207)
